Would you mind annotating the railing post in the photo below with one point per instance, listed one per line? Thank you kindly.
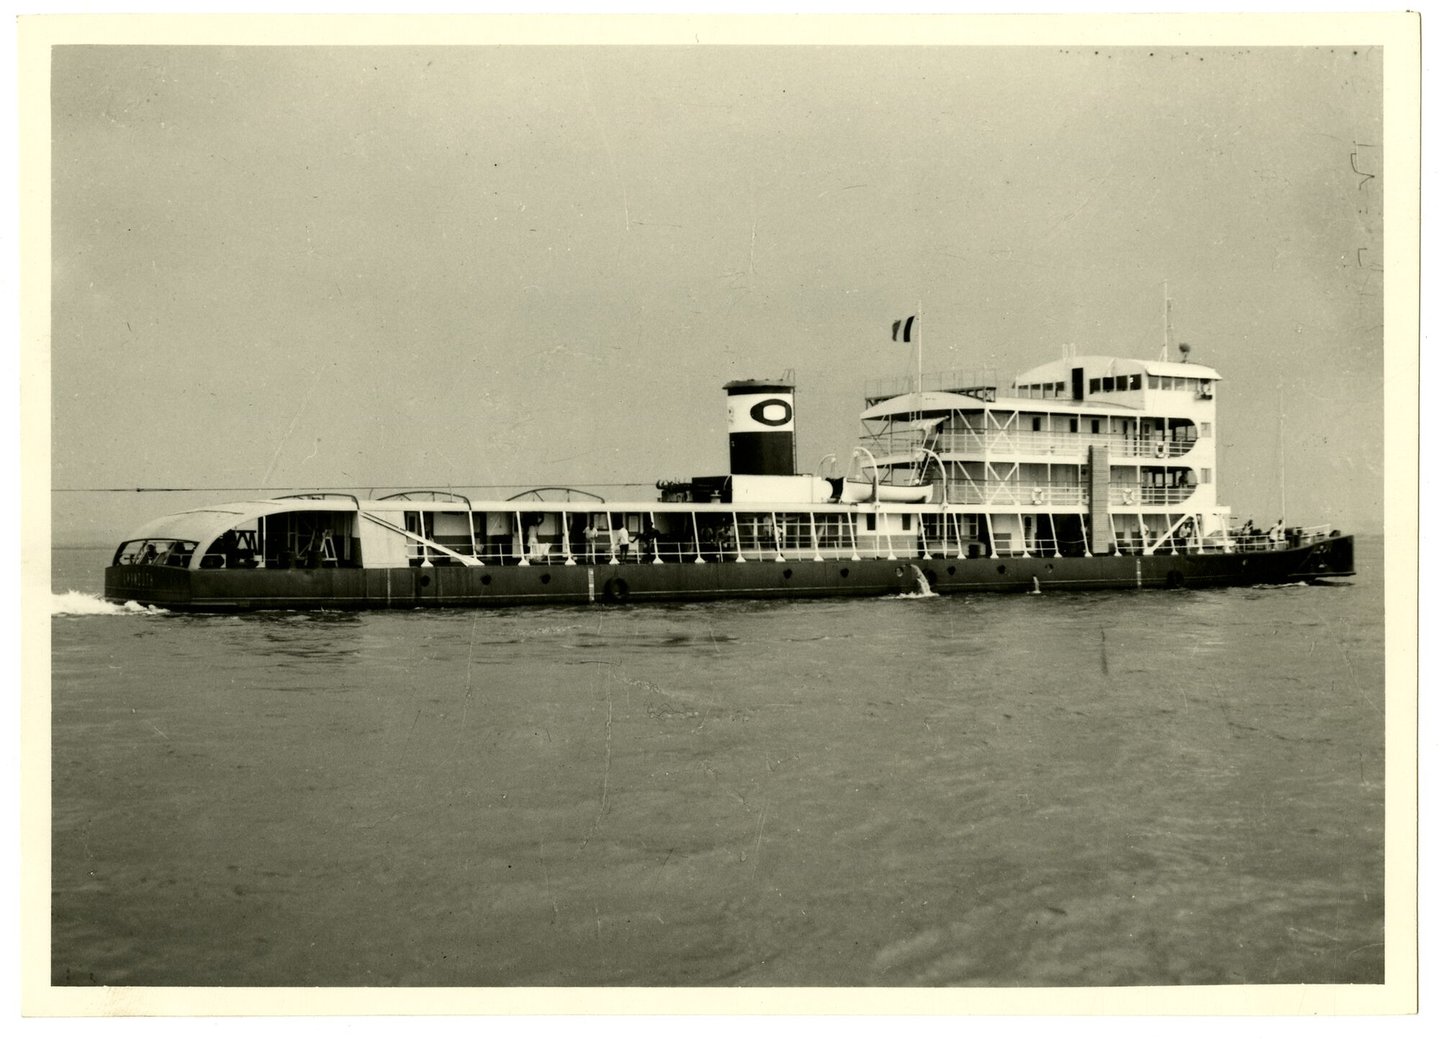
(519, 536)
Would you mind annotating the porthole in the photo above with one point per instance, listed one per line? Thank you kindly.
(425, 581)
(1000, 569)
(484, 578)
(789, 573)
(544, 578)
(950, 570)
(844, 571)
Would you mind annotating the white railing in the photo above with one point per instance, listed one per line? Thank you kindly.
(961, 380)
(1032, 442)
(994, 492)
(1002, 443)
(1263, 541)
(1032, 497)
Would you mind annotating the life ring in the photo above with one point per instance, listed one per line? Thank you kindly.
(617, 590)
(1037, 497)
(1129, 497)
(1162, 449)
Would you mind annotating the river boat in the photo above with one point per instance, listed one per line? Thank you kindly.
(1088, 472)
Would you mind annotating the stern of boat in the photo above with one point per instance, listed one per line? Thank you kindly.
(163, 586)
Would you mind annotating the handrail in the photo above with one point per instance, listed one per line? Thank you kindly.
(963, 380)
(1035, 442)
(434, 496)
(322, 496)
(537, 491)
(1294, 537)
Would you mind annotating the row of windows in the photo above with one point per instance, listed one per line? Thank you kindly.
(1177, 432)
(1110, 383)
(1042, 389)
(1116, 383)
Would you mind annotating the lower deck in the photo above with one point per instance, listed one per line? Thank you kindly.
(409, 587)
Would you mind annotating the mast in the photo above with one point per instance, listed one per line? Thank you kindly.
(1282, 449)
(1165, 324)
(920, 347)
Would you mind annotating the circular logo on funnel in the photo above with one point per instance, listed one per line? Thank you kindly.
(772, 412)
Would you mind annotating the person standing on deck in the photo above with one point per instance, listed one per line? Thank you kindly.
(620, 541)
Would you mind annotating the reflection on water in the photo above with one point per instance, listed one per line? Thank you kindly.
(1110, 789)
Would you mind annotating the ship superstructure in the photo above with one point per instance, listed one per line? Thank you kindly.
(1081, 456)
(1089, 472)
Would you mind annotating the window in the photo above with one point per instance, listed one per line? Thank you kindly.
(1094, 425)
(1205, 431)
(1035, 424)
(1094, 385)
(1108, 383)
(870, 521)
(1204, 475)
(905, 521)
(1074, 425)
(1135, 381)
(1154, 382)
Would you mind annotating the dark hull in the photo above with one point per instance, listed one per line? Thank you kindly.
(405, 588)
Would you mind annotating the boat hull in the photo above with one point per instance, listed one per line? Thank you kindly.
(453, 586)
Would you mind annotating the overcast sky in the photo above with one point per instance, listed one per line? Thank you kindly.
(461, 266)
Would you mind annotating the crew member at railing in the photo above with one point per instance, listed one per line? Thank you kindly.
(1186, 532)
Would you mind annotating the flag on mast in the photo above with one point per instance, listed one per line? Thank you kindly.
(900, 330)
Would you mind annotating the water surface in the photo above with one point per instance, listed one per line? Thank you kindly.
(1130, 788)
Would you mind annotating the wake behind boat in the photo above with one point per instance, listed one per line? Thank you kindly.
(1089, 472)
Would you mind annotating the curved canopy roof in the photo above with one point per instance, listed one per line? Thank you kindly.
(1107, 364)
(206, 524)
(907, 404)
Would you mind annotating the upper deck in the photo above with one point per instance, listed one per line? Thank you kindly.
(1054, 412)
(1090, 382)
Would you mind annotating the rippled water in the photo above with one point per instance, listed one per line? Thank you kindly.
(1135, 788)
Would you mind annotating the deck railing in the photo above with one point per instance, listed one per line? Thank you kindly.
(1264, 541)
(1005, 443)
(1036, 497)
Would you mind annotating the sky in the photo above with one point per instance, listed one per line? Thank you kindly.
(276, 268)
